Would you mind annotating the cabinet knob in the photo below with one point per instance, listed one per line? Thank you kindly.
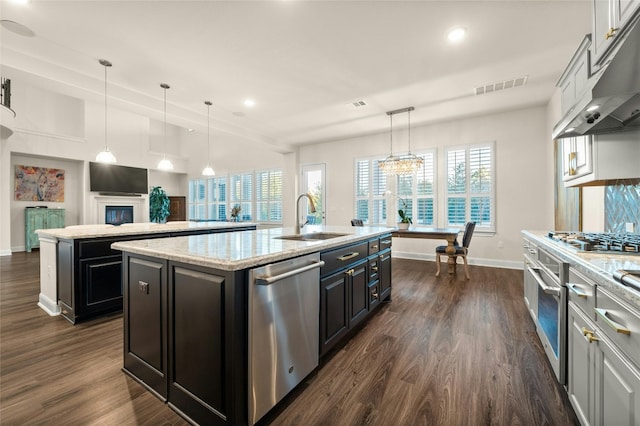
(375, 294)
(611, 33)
(350, 272)
(143, 287)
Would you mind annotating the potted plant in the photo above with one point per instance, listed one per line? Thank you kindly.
(235, 212)
(405, 219)
(158, 205)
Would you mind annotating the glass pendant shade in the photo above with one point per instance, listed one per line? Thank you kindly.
(105, 156)
(400, 164)
(165, 164)
(208, 170)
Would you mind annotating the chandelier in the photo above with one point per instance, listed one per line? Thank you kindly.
(400, 164)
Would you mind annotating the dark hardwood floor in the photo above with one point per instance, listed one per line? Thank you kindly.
(446, 351)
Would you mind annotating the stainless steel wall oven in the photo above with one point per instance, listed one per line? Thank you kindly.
(550, 277)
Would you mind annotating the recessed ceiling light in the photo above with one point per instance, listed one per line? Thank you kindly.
(249, 103)
(457, 34)
(17, 28)
(593, 108)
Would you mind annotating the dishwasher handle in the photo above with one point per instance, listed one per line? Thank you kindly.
(266, 280)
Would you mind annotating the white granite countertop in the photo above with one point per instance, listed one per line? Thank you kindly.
(235, 251)
(597, 266)
(96, 231)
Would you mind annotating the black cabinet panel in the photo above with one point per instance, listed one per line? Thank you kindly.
(65, 278)
(103, 278)
(333, 310)
(358, 293)
(145, 349)
(384, 270)
(197, 337)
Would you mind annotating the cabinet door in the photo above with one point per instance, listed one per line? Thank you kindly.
(102, 279)
(531, 293)
(145, 322)
(617, 388)
(580, 366)
(55, 218)
(624, 10)
(333, 310)
(197, 376)
(602, 23)
(34, 219)
(358, 286)
(384, 273)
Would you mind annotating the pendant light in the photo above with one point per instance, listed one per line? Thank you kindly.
(165, 163)
(403, 164)
(208, 170)
(105, 156)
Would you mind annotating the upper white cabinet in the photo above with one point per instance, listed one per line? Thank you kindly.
(573, 81)
(593, 160)
(610, 19)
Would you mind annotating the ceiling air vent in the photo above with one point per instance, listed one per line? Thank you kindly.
(357, 104)
(501, 85)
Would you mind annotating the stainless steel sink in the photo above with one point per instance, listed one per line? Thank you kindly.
(312, 236)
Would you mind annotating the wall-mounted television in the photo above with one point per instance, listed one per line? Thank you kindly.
(114, 179)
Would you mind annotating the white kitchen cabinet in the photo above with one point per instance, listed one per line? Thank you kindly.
(610, 21)
(573, 81)
(530, 284)
(580, 366)
(600, 159)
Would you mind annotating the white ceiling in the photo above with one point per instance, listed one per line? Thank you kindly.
(303, 62)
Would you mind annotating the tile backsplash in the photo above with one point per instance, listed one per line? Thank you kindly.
(622, 205)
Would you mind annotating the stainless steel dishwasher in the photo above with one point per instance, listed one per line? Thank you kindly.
(284, 310)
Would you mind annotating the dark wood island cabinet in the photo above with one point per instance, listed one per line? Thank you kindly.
(186, 324)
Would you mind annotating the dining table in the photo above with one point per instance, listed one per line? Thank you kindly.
(448, 234)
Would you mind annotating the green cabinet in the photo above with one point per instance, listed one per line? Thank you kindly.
(40, 218)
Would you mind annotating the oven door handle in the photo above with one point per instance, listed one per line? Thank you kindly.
(535, 272)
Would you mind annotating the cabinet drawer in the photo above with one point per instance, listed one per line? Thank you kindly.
(385, 242)
(581, 291)
(340, 258)
(374, 265)
(96, 248)
(374, 246)
(620, 323)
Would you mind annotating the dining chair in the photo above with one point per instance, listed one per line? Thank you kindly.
(461, 250)
(357, 222)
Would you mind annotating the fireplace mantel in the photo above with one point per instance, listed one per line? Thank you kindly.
(140, 208)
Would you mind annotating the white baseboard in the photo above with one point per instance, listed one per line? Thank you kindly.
(48, 305)
(495, 263)
(6, 252)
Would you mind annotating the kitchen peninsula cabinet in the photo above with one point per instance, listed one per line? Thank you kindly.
(40, 218)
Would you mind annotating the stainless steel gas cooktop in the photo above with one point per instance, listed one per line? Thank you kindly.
(609, 243)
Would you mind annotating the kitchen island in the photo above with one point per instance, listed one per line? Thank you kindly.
(192, 330)
(80, 275)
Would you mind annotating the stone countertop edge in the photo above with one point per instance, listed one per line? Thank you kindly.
(234, 251)
(103, 230)
(597, 266)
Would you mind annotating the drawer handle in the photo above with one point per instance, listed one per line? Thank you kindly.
(385, 241)
(374, 268)
(589, 335)
(350, 272)
(374, 294)
(349, 256)
(374, 246)
(603, 313)
(576, 290)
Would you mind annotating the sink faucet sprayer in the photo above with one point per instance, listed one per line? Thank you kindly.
(313, 210)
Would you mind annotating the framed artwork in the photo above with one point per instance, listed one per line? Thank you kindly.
(39, 184)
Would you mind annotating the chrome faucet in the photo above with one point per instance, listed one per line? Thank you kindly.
(313, 210)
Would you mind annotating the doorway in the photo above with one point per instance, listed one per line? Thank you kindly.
(313, 183)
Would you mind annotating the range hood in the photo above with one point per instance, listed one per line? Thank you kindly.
(611, 102)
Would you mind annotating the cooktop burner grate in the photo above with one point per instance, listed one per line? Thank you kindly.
(600, 242)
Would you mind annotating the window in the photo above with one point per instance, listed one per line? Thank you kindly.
(269, 196)
(213, 198)
(371, 187)
(416, 192)
(217, 198)
(241, 193)
(470, 194)
(197, 199)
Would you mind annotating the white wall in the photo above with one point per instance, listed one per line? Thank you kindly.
(523, 166)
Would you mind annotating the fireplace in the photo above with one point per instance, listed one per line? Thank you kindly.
(117, 215)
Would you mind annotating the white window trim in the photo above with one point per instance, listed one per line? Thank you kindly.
(370, 198)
